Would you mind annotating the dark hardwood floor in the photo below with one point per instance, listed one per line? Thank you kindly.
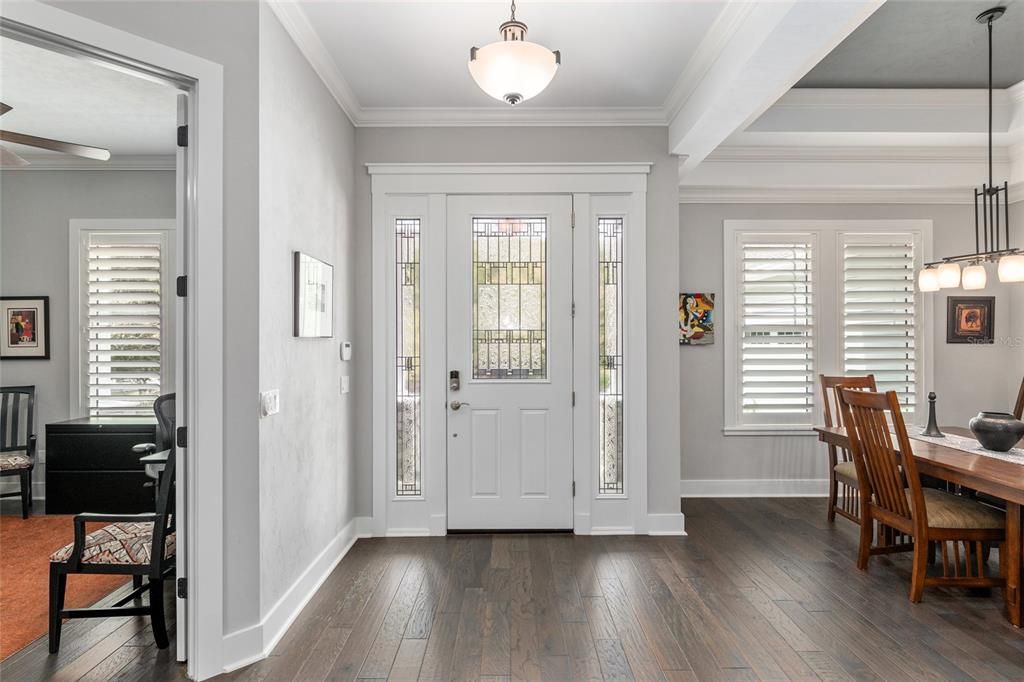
(760, 589)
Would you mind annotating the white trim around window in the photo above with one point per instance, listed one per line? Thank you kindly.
(84, 234)
(823, 317)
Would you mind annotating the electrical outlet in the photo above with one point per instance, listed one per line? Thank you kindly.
(270, 402)
(345, 384)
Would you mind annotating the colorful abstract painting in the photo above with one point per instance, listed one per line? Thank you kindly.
(696, 319)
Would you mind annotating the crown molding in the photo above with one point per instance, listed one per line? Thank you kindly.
(578, 168)
(507, 116)
(889, 98)
(298, 26)
(835, 195)
(710, 49)
(62, 162)
(858, 154)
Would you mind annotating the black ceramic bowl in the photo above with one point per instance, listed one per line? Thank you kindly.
(997, 431)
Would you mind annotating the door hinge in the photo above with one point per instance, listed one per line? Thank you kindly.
(183, 136)
(574, 308)
(574, 398)
(574, 488)
(573, 221)
(181, 436)
(182, 588)
(182, 285)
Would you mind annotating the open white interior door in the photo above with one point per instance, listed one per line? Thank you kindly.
(180, 374)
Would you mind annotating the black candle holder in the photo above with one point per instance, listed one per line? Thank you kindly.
(933, 427)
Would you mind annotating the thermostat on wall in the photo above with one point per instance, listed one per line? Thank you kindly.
(346, 350)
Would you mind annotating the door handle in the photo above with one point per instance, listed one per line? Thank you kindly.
(455, 405)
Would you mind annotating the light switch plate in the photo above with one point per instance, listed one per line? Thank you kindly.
(346, 350)
(345, 384)
(270, 402)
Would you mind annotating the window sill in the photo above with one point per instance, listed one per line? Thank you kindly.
(770, 430)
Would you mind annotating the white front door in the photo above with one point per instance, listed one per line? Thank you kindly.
(509, 316)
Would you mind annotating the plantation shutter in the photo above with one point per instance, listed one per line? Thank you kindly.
(123, 327)
(777, 329)
(879, 314)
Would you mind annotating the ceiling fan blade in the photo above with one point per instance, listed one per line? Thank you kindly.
(9, 159)
(56, 145)
(4, 108)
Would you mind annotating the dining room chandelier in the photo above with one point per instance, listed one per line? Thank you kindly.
(513, 69)
(991, 221)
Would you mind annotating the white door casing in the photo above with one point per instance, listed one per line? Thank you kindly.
(509, 322)
(429, 192)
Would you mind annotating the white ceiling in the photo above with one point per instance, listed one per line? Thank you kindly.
(415, 54)
(73, 100)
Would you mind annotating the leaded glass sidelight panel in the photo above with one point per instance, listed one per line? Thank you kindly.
(409, 408)
(611, 474)
(509, 298)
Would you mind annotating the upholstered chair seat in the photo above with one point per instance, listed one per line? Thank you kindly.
(12, 461)
(847, 469)
(124, 543)
(945, 510)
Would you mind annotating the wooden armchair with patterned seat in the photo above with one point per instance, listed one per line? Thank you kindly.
(18, 440)
(843, 495)
(139, 545)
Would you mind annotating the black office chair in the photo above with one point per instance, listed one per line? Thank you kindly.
(164, 409)
(18, 440)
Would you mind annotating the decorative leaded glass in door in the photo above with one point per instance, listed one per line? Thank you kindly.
(509, 298)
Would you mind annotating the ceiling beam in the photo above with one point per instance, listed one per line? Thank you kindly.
(753, 55)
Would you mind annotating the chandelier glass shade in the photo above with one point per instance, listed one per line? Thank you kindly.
(974, 277)
(513, 69)
(949, 275)
(928, 280)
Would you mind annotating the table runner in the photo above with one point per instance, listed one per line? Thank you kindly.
(967, 444)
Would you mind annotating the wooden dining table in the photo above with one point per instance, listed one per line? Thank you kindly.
(995, 477)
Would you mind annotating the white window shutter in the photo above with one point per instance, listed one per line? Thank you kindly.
(776, 330)
(878, 315)
(124, 273)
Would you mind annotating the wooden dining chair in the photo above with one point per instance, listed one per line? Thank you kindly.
(843, 495)
(892, 495)
(139, 545)
(18, 440)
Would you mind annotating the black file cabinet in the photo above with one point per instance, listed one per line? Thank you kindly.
(90, 466)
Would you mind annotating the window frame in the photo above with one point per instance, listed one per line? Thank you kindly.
(78, 307)
(827, 304)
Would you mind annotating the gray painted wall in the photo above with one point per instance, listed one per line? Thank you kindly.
(454, 145)
(35, 207)
(226, 33)
(307, 462)
(968, 378)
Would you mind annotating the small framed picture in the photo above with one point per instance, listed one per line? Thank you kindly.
(28, 328)
(969, 319)
(696, 319)
(314, 297)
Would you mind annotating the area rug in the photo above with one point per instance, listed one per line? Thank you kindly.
(25, 548)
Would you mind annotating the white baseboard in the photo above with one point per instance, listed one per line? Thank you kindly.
(755, 487)
(255, 642)
(666, 524)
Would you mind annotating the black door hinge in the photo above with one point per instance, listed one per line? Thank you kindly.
(182, 588)
(574, 488)
(182, 286)
(182, 136)
(181, 436)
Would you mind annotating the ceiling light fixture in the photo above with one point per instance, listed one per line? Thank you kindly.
(991, 219)
(513, 70)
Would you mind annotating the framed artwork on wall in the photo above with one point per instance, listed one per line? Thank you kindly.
(27, 336)
(969, 319)
(696, 319)
(313, 297)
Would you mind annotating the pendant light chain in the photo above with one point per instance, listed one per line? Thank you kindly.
(514, 17)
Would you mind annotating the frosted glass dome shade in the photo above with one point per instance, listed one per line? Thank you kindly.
(513, 70)
(928, 280)
(949, 275)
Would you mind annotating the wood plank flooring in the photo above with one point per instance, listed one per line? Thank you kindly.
(759, 589)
